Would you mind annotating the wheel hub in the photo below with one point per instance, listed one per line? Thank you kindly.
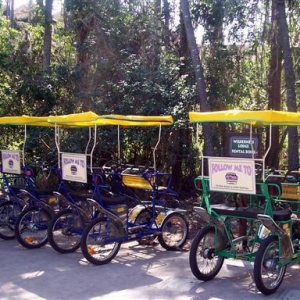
(67, 231)
(32, 227)
(100, 241)
(209, 253)
(270, 264)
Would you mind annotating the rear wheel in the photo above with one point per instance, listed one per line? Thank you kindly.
(174, 232)
(31, 228)
(65, 231)
(204, 264)
(268, 275)
(9, 212)
(98, 243)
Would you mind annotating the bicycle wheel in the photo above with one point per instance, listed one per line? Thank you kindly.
(268, 275)
(203, 263)
(9, 212)
(97, 242)
(31, 227)
(143, 218)
(174, 232)
(65, 231)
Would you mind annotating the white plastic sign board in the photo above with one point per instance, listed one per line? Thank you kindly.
(232, 175)
(74, 167)
(11, 161)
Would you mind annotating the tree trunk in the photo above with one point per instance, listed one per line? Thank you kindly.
(200, 80)
(166, 25)
(293, 156)
(274, 87)
(12, 13)
(47, 35)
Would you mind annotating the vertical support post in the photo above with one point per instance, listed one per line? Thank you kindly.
(23, 147)
(119, 145)
(56, 138)
(155, 147)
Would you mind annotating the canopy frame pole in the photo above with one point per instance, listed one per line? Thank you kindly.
(57, 143)
(267, 150)
(90, 137)
(94, 145)
(155, 147)
(119, 146)
(24, 142)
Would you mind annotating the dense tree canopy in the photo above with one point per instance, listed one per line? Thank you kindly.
(133, 57)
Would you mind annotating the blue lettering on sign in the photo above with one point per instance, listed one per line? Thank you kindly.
(6, 156)
(67, 161)
(77, 161)
(15, 157)
(221, 167)
(238, 168)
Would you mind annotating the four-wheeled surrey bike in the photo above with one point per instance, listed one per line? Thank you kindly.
(263, 225)
(116, 216)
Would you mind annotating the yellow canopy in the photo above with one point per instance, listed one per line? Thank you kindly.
(25, 120)
(131, 120)
(90, 119)
(85, 119)
(261, 117)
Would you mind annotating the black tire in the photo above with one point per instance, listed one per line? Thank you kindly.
(174, 232)
(143, 218)
(203, 263)
(65, 231)
(94, 245)
(268, 275)
(31, 228)
(9, 212)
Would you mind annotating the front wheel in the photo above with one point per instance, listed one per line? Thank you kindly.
(31, 227)
(204, 264)
(174, 232)
(65, 231)
(268, 275)
(98, 242)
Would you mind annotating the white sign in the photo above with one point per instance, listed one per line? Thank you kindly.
(74, 167)
(232, 175)
(11, 161)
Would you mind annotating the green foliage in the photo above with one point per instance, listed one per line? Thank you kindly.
(119, 57)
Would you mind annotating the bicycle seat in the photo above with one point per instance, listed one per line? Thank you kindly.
(282, 215)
